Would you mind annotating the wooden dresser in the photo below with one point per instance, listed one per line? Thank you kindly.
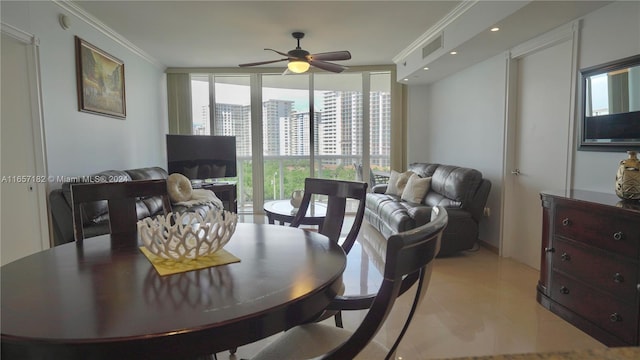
(590, 264)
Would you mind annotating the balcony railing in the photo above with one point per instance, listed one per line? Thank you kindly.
(284, 174)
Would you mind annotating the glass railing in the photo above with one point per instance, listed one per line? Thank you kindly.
(284, 174)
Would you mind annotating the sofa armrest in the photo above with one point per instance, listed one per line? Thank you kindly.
(479, 200)
(62, 218)
(379, 189)
(421, 214)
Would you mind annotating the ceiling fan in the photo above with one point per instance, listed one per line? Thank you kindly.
(300, 60)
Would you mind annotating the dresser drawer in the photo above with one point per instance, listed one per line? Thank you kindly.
(597, 228)
(607, 312)
(613, 274)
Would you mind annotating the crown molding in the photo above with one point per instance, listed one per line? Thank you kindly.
(92, 21)
(435, 30)
(548, 39)
(19, 35)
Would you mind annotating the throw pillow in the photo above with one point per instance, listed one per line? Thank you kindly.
(402, 181)
(392, 189)
(416, 189)
(397, 182)
(179, 188)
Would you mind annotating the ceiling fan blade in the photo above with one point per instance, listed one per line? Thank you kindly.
(331, 56)
(328, 66)
(279, 52)
(262, 62)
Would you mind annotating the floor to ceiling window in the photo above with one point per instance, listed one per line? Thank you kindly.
(339, 100)
(338, 122)
(286, 136)
(380, 120)
(231, 95)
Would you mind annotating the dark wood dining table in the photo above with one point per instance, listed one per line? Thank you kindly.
(98, 302)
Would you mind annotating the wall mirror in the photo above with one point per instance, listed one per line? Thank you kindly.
(611, 106)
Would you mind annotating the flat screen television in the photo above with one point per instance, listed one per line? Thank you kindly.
(611, 106)
(202, 157)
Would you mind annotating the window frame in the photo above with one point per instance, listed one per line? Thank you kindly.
(397, 153)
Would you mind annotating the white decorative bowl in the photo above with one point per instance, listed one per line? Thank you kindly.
(189, 235)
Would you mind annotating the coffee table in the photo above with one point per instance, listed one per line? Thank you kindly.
(282, 211)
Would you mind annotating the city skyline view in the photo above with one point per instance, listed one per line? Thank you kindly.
(346, 121)
(338, 120)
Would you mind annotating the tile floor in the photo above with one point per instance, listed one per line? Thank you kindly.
(477, 304)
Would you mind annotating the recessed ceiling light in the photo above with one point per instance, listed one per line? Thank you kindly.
(453, 52)
(494, 29)
(406, 79)
(426, 68)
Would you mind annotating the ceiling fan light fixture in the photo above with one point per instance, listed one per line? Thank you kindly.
(300, 60)
(298, 66)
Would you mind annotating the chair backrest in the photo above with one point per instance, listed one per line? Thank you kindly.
(359, 174)
(408, 253)
(121, 200)
(337, 192)
(373, 178)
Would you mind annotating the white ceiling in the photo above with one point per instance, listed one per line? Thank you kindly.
(227, 33)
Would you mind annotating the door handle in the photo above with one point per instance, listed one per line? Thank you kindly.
(516, 172)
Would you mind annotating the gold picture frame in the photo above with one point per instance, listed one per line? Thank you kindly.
(100, 78)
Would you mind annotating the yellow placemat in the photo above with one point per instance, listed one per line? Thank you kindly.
(168, 267)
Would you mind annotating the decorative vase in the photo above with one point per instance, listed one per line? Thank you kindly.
(628, 178)
(296, 198)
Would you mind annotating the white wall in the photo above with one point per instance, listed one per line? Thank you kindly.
(465, 129)
(80, 143)
(610, 33)
(460, 120)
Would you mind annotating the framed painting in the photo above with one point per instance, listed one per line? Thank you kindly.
(100, 78)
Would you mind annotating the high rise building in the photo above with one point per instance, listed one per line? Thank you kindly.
(338, 128)
(341, 130)
(330, 127)
(342, 123)
(235, 120)
(273, 113)
(201, 125)
(299, 135)
(380, 128)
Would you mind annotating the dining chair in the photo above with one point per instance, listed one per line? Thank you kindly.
(121, 201)
(375, 178)
(408, 260)
(337, 192)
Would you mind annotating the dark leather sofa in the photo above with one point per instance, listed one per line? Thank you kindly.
(462, 191)
(95, 215)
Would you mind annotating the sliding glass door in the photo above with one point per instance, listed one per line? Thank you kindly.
(318, 124)
(340, 125)
(380, 121)
(231, 116)
(286, 136)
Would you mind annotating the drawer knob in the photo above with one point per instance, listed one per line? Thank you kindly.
(566, 222)
(617, 277)
(615, 317)
(618, 236)
(549, 249)
(565, 257)
(564, 290)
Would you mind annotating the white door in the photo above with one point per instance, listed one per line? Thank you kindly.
(540, 151)
(20, 192)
